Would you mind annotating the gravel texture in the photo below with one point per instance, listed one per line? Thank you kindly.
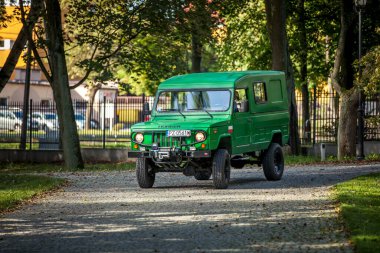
(107, 212)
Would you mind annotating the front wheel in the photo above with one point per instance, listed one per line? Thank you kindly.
(144, 173)
(16, 127)
(221, 169)
(273, 162)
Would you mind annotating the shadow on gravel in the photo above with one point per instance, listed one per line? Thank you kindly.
(214, 226)
(253, 215)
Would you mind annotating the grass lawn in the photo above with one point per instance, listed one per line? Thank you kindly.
(17, 188)
(17, 185)
(360, 209)
(17, 168)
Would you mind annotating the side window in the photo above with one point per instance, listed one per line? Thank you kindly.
(259, 92)
(241, 103)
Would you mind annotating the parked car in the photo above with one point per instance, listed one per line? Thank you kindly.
(33, 124)
(9, 121)
(80, 119)
(46, 121)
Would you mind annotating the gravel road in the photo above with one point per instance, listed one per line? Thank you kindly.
(107, 212)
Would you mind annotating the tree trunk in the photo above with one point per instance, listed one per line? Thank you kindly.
(196, 57)
(60, 85)
(14, 55)
(92, 88)
(347, 124)
(276, 27)
(302, 37)
(342, 80)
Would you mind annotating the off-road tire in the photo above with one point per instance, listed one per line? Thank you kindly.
(144, 174)
(273, 162)
(202, 175)
(221, 169)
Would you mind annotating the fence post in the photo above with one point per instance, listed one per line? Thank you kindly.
(142, 108)
(104, 122)
(30, 123)
(314, 113)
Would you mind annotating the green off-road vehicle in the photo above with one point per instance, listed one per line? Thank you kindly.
(203, 124)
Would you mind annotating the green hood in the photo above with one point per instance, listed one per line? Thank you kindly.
(176, 123)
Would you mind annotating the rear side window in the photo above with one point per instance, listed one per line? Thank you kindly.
(259, 92)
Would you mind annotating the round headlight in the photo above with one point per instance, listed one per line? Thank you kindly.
(139, 137)
(200, 136)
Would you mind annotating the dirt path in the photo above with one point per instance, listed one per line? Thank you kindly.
(107, 212)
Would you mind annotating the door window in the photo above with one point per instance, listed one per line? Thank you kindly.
(241, 103)
(259, 91)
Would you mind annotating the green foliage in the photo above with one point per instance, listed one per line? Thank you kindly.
(156, 57)
(17, 188)
(322, 26)
(360, 207)
(371, 72)
(246, 43)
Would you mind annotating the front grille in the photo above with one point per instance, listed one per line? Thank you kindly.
(163, 141)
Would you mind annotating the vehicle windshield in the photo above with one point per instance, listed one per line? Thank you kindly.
(187, 101)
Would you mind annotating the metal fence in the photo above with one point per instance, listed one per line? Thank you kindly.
(103, 124)
(322, 123)
(106, 123)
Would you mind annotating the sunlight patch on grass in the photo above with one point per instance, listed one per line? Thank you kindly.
(360, 208)
(17, 188)
(17, 168)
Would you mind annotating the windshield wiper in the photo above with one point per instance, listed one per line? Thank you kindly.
(208, 113)
(182, 114)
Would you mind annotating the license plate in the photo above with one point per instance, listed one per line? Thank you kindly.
(178, 133)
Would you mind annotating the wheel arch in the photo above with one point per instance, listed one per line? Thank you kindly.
(277, 138)
(225, 143)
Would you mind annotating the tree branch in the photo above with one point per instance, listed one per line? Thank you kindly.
(33, 45)
(14, 55)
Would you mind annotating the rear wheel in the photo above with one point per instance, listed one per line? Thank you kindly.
(273, 162)
(221, 169)
(144, 173)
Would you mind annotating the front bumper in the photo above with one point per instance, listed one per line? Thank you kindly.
(169, 154)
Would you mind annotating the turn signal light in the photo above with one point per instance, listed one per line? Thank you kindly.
(135, 146)
(203, 145)
(230, 129)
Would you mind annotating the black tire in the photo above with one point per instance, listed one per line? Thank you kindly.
(202, 175)
(221, 169)
(144, 173)
(16, 127)
(273, 162)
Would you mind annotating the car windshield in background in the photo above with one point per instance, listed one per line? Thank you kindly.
(187, 101)
(79, 117)
(50, 116)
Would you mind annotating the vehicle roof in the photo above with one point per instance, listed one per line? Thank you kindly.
(209, 79)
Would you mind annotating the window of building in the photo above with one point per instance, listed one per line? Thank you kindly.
(259, 92)
(241, 103)
(3, 102)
